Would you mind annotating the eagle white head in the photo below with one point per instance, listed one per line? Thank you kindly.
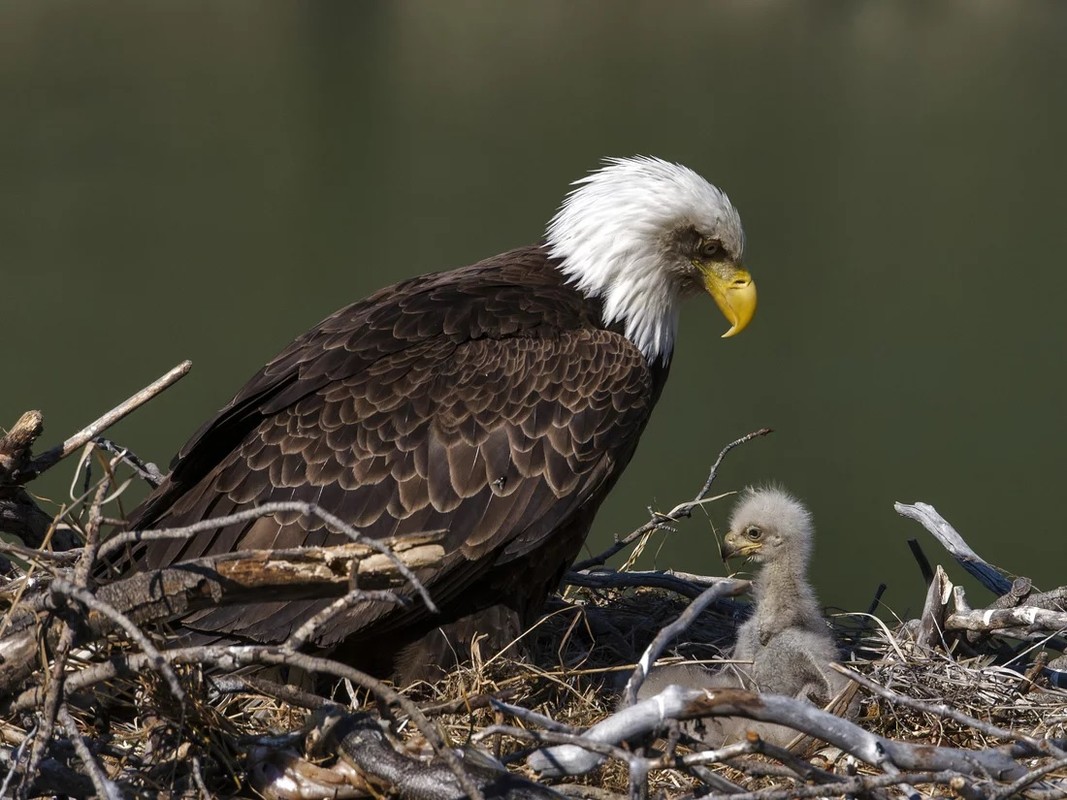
(642, 234)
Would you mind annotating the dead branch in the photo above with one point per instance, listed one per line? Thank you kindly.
(236, 657)
(859, 785)
(1018, 621)
(230, 578)
(17, 443)
(361, 742)
(927, 516)
(1038, 746)
(684, 583)
(679, 512)
(98, 426)
(19, 514)
(308, 628)
(105, 787)
(677, 703)
(102, 609)
(386, 548)
(726, 587)
(931, 624)
(1024, 621)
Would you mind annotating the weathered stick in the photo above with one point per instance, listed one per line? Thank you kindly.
(684, 583)
(227, 579)
(677, 703)
(727, 587)
(98, 426)
(1028, 619)
(931, 624)
(927, 516)
(15, 445)
(230, 658)
(265, 509)
(1043, 746)
(360, 741)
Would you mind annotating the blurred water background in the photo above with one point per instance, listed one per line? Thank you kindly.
(207, 180)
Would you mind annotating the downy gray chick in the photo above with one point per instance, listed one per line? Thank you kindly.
(785, 646)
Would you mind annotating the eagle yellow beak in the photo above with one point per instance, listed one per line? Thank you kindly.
(735, 295)
(735, 546)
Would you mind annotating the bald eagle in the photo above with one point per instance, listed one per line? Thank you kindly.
(499, 402)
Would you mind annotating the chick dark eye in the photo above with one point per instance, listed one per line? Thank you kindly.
(753, 533)
(710, 248)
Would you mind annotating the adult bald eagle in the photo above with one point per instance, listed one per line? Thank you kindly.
(499, 401)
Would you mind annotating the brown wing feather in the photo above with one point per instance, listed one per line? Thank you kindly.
(486, 402)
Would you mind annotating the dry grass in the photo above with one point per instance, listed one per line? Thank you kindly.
(580, 653)
(582, 647)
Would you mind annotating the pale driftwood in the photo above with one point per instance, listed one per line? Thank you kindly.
(1026, 620)
(931, 625)
(682, 704)
(1020, 622)
(726, 587)
(927, 516)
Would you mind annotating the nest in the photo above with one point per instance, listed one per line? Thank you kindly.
(95, 700)
(235, 734)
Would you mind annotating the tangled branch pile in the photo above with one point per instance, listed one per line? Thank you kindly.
(95, 700)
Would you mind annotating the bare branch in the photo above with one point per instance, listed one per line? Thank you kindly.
(386, 547)
(16, 444)
(98, 426)
(361, 742)
(102, 608)
(726, 587)
(105, 787)
(927, 516)
(677, 703)
(679, 512)
(683, 583)
(932, 622)
(307, 629)
(1043, 746)
(1024, 618)
(227, 579)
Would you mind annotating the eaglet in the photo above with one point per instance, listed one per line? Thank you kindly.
(785, 647)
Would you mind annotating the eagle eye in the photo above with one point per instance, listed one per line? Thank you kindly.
(753, 533)
(710, 248)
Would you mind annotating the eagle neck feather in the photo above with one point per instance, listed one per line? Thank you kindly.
(633, 292)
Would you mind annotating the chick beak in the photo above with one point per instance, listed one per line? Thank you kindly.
(735, 294)
(734, 545)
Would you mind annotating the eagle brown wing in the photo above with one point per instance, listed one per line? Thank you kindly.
(486, 402)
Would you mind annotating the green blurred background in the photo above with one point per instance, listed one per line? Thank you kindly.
(207, 180)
